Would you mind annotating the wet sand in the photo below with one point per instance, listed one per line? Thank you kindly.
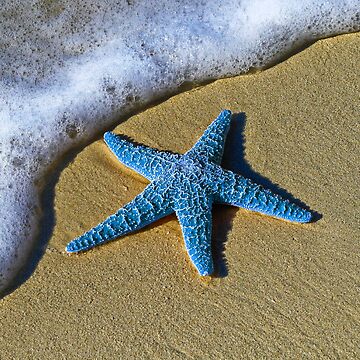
(281, 290)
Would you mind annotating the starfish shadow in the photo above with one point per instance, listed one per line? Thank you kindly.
(234, 160)
(223, 216)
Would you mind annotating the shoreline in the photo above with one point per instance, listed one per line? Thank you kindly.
(54, 170)
(286, 289)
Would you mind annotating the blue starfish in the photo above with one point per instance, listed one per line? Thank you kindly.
(188, 185)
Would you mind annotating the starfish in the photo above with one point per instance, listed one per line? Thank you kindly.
(188, 185)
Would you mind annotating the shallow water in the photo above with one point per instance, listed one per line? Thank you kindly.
(70, 69)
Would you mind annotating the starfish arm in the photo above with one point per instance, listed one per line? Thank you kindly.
(194, 215)
(149, 206)
(212, 142)
(239, 191)
(149, 162)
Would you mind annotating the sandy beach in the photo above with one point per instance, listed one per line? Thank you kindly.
(281, 290)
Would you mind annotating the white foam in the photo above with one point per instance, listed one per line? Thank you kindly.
(68, 68)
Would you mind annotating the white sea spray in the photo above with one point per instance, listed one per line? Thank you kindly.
(69, 68)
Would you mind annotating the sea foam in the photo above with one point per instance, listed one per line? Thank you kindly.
(68, 69)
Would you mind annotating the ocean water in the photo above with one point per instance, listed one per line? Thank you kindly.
(69, 69)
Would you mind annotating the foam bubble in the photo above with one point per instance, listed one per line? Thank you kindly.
(68, 68)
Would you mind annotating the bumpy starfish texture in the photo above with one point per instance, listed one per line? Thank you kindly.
(188, 185)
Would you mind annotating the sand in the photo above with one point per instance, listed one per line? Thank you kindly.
(282, 290)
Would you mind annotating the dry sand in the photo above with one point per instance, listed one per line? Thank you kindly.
(282, 290)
